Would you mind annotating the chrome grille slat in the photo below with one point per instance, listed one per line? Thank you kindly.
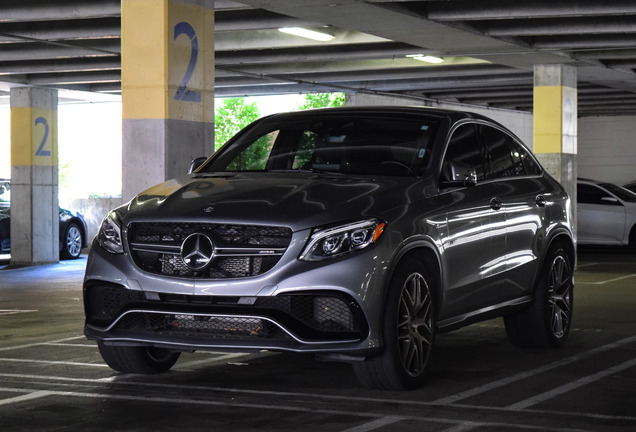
(240, 250)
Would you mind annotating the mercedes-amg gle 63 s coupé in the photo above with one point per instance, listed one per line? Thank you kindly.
(356, 234)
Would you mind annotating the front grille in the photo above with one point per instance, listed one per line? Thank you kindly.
(312, 316)
(239, 250)
(217, 328)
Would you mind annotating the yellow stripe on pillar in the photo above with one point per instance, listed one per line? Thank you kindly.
(548, 122)
(167, 60)
(144, 58)
(34, 136)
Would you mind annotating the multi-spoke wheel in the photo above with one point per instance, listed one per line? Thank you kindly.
(560, 297)
(415, 324)
(409, 331)
(546, 323)
(140, 360)
(72, 242)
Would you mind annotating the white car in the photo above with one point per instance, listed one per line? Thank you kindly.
(606, 214)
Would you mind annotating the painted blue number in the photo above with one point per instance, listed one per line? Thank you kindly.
(40, 151)
(182, 92)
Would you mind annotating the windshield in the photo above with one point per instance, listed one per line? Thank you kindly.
(369, 144)
(5, 192)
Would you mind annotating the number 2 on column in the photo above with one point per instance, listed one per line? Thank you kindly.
(40, 151)
(183, 93)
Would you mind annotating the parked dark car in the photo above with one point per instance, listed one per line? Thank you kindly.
(356, 234)
(72, 227)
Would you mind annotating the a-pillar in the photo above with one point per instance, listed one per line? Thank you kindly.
(555, 123)
(167, 89)
(34, 182)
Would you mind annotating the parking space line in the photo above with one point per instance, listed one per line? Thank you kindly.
(15, 311)
(287, 408)
(221, 357)
(527, 374)
(463, 427)
(34, 344)
(29, 396)
(69, 345)
(375, 424)
(571, 386)
(616, 279)
(52, 362)
(123, 380)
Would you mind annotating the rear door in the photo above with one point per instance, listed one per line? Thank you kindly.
(524, 198)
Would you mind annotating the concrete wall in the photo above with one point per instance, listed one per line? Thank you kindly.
(94, 210)
(607, 148)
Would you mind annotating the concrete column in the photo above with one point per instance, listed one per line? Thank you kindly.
(34, 183)
(167, 89)
(555, 123)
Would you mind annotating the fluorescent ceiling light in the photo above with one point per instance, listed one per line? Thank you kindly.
(426, 58)
(309, 34)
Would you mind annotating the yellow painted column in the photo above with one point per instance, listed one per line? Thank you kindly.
(34, 181)
(167, 89)
(555, 123)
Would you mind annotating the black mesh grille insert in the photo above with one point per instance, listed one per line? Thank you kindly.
(239, 250)
(204, 327)
(309, 316)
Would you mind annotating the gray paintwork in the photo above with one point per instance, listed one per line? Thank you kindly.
(486, 253)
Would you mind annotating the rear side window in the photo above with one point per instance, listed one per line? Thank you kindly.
(463, 155)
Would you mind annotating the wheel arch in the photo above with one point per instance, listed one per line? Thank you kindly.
(425, 252)
(632, 236)
(562, 239)
(82, 227)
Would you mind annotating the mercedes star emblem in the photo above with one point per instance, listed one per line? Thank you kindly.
(197, 251)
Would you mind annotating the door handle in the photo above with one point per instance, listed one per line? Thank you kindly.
(496, 203)
(540, 201)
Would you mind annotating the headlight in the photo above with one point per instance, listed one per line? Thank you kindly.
(109, 236)
(332, 242)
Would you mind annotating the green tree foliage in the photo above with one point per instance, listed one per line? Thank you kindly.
(322, 100)
(230, 116)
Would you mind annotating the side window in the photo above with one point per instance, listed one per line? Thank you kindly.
(588, 194)
(306, 147)
(529, 162)
(254, 158)
(503, 160)
(463, 155)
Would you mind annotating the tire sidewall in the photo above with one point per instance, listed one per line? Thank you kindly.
(391, 349)
(542, 301)
(65, 251)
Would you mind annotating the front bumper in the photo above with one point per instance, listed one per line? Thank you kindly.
(297, 306)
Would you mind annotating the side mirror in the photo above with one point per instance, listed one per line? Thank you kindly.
(610, 200)
(196, 163)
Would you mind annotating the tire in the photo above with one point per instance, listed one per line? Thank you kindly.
(138, 360)
(546, 323)
(72, 242)
(408, 333)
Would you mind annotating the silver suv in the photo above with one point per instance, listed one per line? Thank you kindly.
(356, 234)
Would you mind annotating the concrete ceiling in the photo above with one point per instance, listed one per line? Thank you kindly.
(489, 48)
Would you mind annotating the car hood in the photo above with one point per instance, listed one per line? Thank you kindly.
(296, 200)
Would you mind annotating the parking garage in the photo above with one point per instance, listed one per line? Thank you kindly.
(561, 77)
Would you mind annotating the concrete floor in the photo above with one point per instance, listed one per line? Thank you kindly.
(53, 379)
